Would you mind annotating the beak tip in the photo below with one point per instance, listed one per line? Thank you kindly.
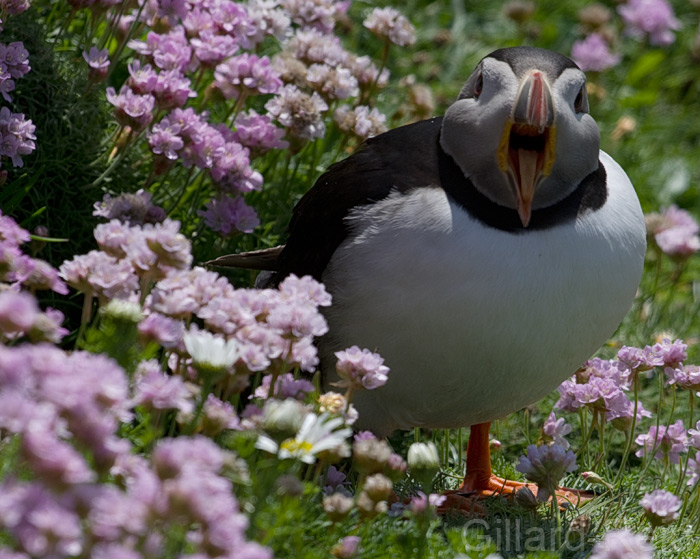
(525, 213)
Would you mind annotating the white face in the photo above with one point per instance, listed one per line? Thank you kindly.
(477, 128)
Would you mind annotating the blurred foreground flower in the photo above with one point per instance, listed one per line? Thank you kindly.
(424, 463)
(212, 355)
(422, 503)
(622, 544)
(347, 548)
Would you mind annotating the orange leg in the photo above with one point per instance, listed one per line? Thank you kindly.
(480, 482)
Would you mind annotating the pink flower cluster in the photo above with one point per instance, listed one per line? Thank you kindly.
(601, 387)
(622, 544)
(66, 409)
(555, 429)
(272, 327)
(654, 18)
(205, 48)
(130, 256)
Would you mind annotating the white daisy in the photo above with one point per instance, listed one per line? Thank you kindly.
(316, 434)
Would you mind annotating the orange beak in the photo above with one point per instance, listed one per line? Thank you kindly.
(527, 148)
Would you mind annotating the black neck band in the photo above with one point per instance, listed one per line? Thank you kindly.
(590, 195)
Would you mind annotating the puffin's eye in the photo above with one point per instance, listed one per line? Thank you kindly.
(479, 85)
(581, 102)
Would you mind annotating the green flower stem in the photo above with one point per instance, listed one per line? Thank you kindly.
(130, 141)
(181, 192)
(684, 469)
(206, 390)
(112, 25)
(348, 397)
(629, 435)
(85, 317)
(132, 28)
(649, 458)
(63, 27)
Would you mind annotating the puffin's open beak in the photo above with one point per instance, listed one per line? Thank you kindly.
(527, 148)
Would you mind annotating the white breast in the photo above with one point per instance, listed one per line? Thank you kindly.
(474, 322)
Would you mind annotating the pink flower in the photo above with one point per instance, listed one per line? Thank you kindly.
(390, 24)
(694, 436)
(668, 442)
(257, 133)
(154, 389)
(675, 231)
(246, 74)
(669, 353)
(360, 368)
(545, 466)
(101, 274)
(142, 79)
(557, 429)
(228, 216)
(211, 49)
(332, 82)
(286, 386)
(684, 376)
(172, 89)
(305, 290)
(660, 507)
(361, 121)
(316, 14)
(18, 312)
(131, 109)
(98, 61)
(420, 504)
(300, 113)
(16, 136)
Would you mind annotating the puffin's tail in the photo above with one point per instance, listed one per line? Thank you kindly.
(263, 259)
(266, 260)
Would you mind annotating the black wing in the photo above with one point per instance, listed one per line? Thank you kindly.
(398, 160)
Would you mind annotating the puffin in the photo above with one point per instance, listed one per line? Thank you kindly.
(485, 254)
